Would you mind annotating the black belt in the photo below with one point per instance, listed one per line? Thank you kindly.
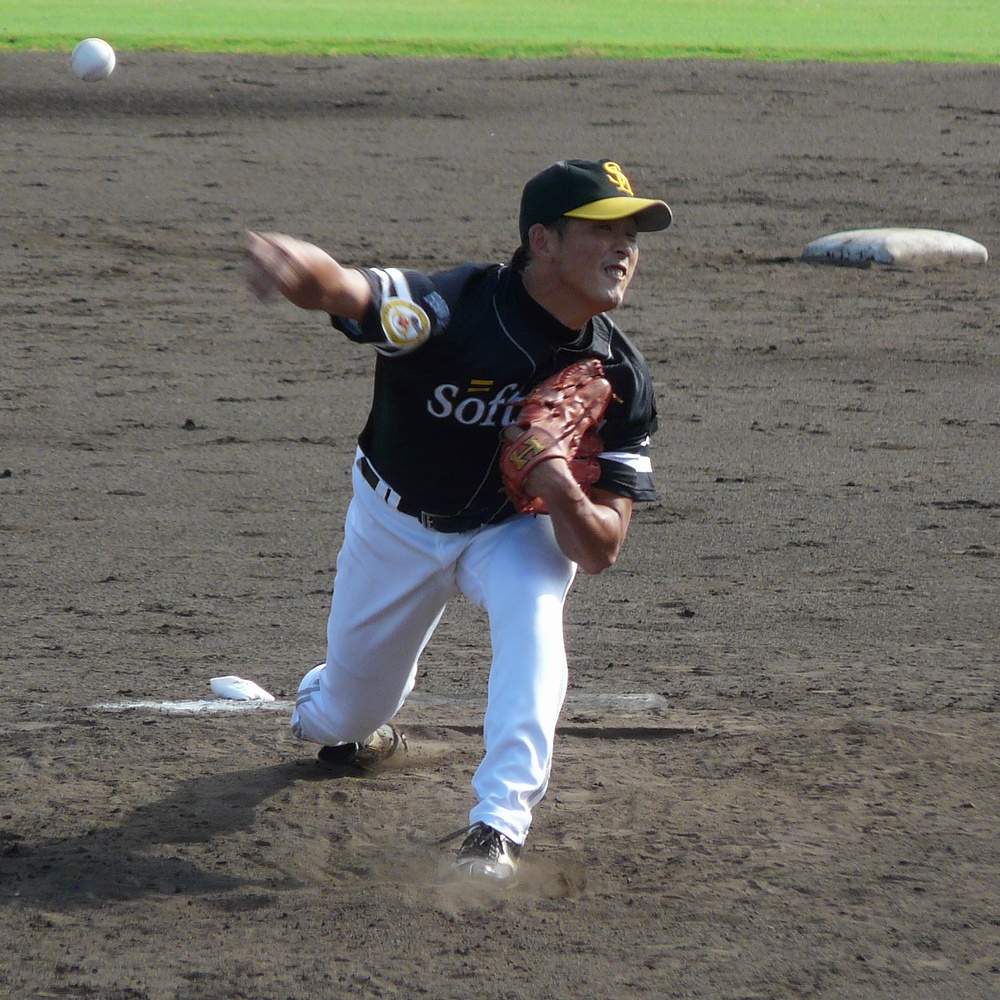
(448, 523)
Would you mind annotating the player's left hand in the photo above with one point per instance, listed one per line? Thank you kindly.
(557, 425)
(545, 477)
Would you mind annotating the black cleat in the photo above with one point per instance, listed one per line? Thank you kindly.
(375, 750)
(487, 854)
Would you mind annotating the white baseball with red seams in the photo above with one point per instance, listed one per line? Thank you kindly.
(93, 59)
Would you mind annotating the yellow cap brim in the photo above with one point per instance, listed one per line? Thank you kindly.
(650, 215)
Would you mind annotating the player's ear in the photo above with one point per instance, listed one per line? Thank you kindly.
(541, 240)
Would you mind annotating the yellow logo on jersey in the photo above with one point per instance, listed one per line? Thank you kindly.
(404, 323)
(617, 177)
(481, 384)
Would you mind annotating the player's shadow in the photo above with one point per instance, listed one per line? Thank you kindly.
(122, 861)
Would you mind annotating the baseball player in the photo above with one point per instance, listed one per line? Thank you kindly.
(456, 352)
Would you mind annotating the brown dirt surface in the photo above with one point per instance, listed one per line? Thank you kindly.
(804, 802)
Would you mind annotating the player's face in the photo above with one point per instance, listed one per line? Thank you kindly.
(595, 261)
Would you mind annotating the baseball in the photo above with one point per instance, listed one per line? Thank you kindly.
(93, 59)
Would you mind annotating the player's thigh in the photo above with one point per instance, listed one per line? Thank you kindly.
(388, 597)
(515, 567)
(389, 591)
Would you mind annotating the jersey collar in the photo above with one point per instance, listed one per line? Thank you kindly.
(592, 340)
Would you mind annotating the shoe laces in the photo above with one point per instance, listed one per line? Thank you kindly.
(484, 841)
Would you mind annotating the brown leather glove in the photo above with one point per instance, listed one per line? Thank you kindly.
(559, 418)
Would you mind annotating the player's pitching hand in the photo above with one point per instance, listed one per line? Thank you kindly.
(279, 264)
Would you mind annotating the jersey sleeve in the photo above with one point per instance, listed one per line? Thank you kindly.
(626, 468)
(406, 310)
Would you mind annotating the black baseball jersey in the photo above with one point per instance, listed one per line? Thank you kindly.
(457, 351)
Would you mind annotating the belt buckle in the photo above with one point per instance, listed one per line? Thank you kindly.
(448, 523)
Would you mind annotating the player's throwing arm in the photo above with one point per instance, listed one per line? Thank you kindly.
(304, 274)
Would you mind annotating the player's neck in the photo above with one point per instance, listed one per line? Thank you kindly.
(554, 298)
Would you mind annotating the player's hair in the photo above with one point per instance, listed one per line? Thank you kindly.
(521, 257)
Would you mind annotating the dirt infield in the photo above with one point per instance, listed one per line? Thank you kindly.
(804, 800)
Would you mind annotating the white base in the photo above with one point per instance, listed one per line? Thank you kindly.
(900, 247)
(239, 689)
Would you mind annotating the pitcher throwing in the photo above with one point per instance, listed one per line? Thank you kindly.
(454, 492)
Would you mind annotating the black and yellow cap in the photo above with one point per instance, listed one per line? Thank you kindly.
(587, 189)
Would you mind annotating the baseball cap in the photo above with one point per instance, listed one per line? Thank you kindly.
(587, 189)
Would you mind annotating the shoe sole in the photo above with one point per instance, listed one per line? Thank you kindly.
(484, 871)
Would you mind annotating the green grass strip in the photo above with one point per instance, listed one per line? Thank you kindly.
(865, 30)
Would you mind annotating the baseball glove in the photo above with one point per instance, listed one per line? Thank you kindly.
(559, 418)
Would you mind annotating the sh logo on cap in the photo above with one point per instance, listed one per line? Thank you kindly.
(617, 177)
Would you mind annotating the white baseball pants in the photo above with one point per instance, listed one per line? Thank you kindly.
(394, 577)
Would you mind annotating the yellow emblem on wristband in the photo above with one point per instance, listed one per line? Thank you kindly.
(527, 449)
(404, 323)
